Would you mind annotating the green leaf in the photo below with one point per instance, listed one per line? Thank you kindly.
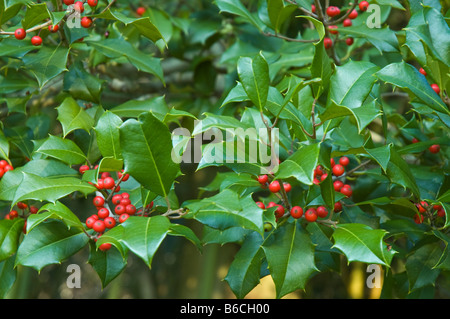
(8, 275)
(28, 186)
(4, 146)
(384, 39)
(419, 266)
(143, 236)
(146, 148)
(181, 230)
(64, 150)
(107, 264)
(50, 243)
(73, 117)
(254, 76)
(55, 210)
(290, 256)
(244, 272)
(133, 108)
(237, 8)
(108, 136)
(407, 77)
(82, 85)
(35, 14)
(279, 13)
(361, 243)
(222, 237)
(47, 63)
(399, 173)
(10, 231)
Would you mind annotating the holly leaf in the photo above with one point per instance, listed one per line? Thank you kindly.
(73, 117)
(10, 231)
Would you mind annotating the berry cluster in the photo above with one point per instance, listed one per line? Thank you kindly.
(426, 210)
(434, 149)
(22, 211)
(4, 167)
(334, 12)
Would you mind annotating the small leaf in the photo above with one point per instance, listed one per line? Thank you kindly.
(107, 264)
(10, 231)
(73, 117)
(254, 76)
(108, 136)
(64, 150)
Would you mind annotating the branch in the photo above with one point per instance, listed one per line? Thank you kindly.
(276, 35)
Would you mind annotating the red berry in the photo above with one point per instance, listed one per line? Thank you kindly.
(105, 175)
(90, 222)
(418, 218)
(7, 168)
(13, 214)
(119, 210)
(3, 163)
(323, 177)
(125, 195)
(328, 43)
(287, 187)
(117, 189)
(99, 226)
(271, 204)
(83, 168)
(322, 211)
(125, 177)
(99, 201)
(110, 222)
(311, 215)
(434, 148)
(347, 23)
(116, 199)
(363, 5)
(105, 247)
(53, 28)
(297, 212)
(318, 171)
(21, 205)
(79, 6)
(130, 209)
(436, 88)
(20, 34)
(95, 216)
(437, 207)
(103, 213)
(316, 181)
(100, 184)
(344, 161)
(109, 183)
(68, 2)
(140, 11)
(337, 207)
(24, 229)
(441, 212)
(279, 212)
(421, 70)
(92, 3)
(333, 11)
(337, 185)
(313, 8)
(123, 218)
(332, 29)
(338, 170)
(353, 14)
(415, 140)
(422, 206)
(260, 205)
(36, 40)
(349, 41)
(332, 162)
(125, 201)
(86, 22)
(274, 187)
(263, 179)
(33, 210)
(346, 190)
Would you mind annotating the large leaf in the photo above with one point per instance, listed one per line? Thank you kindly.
(290, 256)
(420, 266)
(50, 243)
(254, 76)
(361, 243)
(72, 117)
(279, 13)
(237, 8)
(107, 264)
(82, 85)
(8, 275)
(399, 173)
(146, 148)
(133, 108)
(64, 150)
(384, 39)
(108, 136)
(10, 231)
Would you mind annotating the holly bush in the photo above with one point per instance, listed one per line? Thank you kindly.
(324, 127)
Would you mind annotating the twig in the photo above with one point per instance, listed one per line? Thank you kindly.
(276, 35)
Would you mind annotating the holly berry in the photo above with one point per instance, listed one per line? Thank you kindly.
(435, 148)
(328, 43)
(322, 211)
(318, 170)
(53, 28)
(274, 187)
(100, 184)
(90, 222)
(20, 34)
(99, 226)
(313, 8)
(125, 195)
(347, 23)
(421, 70)
(344, 161)
(22, 205)
(99, 201)
(333, 11)
(323, 177)
(103, 213)
(311, 215)
(36, 40)
(332, 29)
(105, 247)
(337, 207)
(83, 168)
(120, 209)
(260, 205)
(279, 212)
(316, 181)
(415, 140)
(92, 3)
(363, 5)
(296, 212)
(441, 212)
(140, 11)
(349, 41)
(346, 190)
(86, 22)
(263, 179)
(109, 183)
(125, 201)
(353, 14)
(422, 207)
(418, 218)
(13, 214)
(436, 88)
(130, 209)
(33, 210)
(123, 218)
(68, 2)
(287, 187)
(337, 185)
(271, 204)
(338, 170)
(79, 6)
(125, 177)
(110, 222)
(332, 162)
(116, 199)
